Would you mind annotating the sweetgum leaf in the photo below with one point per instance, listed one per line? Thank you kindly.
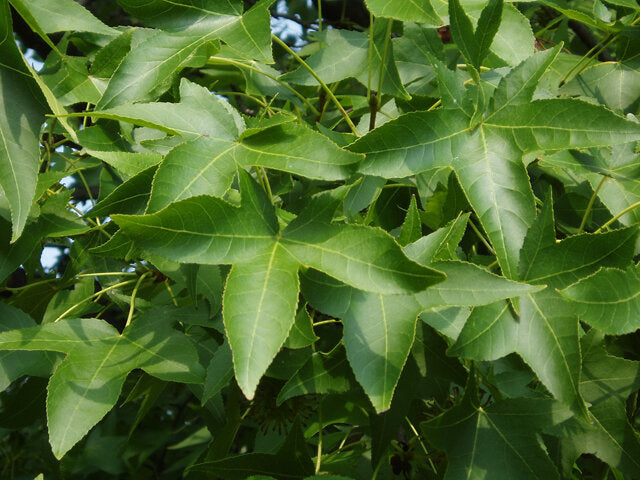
(471, 435)
(20, 122)
(218, 142)
(488, 159)
(183, 42)
(608, 300)
(405, 10)
(606, 383)
(87, 384)
(262, 288)
(14, 364)
(60, 15)
(379, 329)
(259, 309)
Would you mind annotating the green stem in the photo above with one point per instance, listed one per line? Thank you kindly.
(604, 43)
(626, 210)
(319, 80)
(385, 48)
(133, 298)
(105, 274)
(326, 322)
(415, 432)
(371, 20)
(220, 60)
(590, 204)
(97, 294)
(319, 453)
(481, 237)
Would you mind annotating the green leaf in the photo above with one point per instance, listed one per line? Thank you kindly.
(487, 27)
(219, 372)
(87, 383)
(405, 10)
(606, 383)
(321, 373)
(292, 460)
(259, 309)
(579, 256)
(519, 85)
(163, 53)
(14, 365)
(612, 84)
(20, 123)
(463, 34)
(378, 350)
(60, 15)
(488, 160)
(608, 300)
(219, 143)
(439, 245)
(130, 197)
(301, 334)
(331, 63)
(363, 257)
(379, 329)
(262, 288)
(508, 426)
(412, 227)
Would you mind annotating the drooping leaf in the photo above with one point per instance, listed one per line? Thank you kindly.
(259, 309)
(20, 122)
(87, 383)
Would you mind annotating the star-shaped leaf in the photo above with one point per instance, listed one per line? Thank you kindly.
(608, 300)
(497, 441)
(261, 293)
(379, 329)
(218, 141)
(487, 159)
(546, 333)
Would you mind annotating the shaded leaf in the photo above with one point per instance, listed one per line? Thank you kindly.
(87, 383)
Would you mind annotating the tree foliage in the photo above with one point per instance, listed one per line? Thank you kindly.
(328, 240)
